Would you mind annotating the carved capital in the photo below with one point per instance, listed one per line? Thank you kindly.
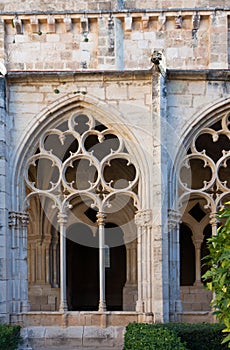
(143, 218)
(24, 219)
(213, 219)
(13, 219)
(101, 219)
(18, 219)
(174, 218)
(62, 218)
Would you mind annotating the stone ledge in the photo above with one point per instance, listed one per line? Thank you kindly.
(78, 337)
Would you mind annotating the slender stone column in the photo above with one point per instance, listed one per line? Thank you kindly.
(174, 265)
(144, 261)
(62, 219)
(54, 271)
(18, 222)
(101, 226)
(197, 244)
(24, 220)
(140, 303)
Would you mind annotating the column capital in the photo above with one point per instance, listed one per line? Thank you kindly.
(101, 218)
(18, 218)
(213, 219)
(174, 218)
(144, 218)
(62, 218)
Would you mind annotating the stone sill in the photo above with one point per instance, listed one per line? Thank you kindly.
(79, 318)
(196, 312)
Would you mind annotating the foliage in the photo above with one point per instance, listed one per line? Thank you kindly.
(199, 336)
(218, 275)
(9, 336)
(141, 336)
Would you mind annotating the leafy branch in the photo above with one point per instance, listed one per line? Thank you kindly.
(218, 275)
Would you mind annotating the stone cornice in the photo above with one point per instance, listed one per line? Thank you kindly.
(203, 74)
(76, 76)
(117, 13)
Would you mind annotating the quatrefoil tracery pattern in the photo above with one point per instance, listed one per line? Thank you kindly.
(205, 170)
(82, 158)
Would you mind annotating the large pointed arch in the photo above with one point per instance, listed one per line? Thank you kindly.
(201, 186)
(49, 119)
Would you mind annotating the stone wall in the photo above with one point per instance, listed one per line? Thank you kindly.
(56, 5)
(118, 41)
(190, 95)
(129, 93)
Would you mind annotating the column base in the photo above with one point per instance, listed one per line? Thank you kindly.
(63, 306)
(102, 306)
(25, 306)
(140, 306)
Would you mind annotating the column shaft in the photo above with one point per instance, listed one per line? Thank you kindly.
(62, 226)
(101, 227)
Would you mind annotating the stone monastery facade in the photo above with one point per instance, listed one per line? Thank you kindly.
(114, 158)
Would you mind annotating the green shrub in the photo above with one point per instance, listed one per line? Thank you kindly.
(200, 336)
(141, 336)
(9, 337)
(218, 275)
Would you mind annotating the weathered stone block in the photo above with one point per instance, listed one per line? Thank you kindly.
(98, 337)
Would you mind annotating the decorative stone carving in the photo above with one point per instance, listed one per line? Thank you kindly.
(159, 62)
(128, 23)
(196, 21)
(143, 218)
(162, 22)
(174, 218)
(17, 24)
(178, 21)
(68, 23)
(34, 24)
(145, 21)
(18, 219)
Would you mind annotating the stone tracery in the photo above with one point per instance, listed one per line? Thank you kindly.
(210, 145)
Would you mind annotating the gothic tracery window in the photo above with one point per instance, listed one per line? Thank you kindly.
(81, 169)
(204, 185)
